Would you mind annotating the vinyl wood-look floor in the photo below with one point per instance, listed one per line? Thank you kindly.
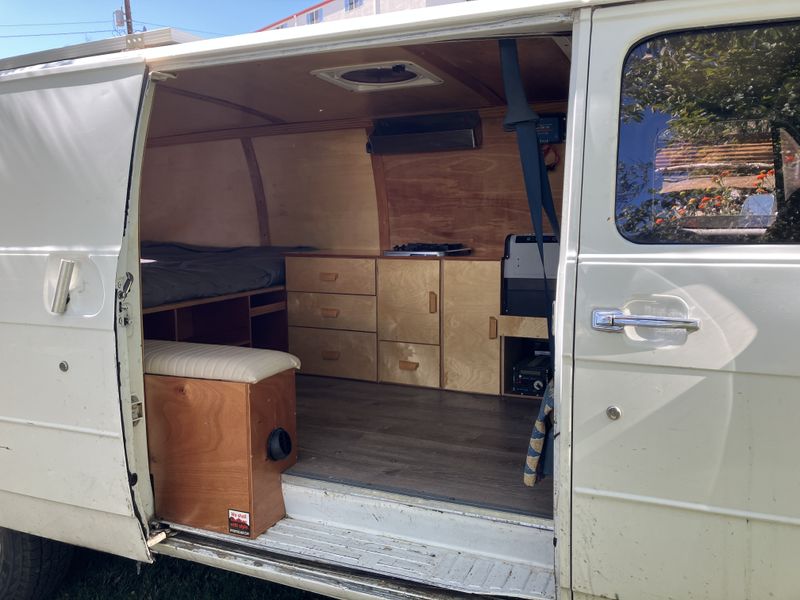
(462, 448)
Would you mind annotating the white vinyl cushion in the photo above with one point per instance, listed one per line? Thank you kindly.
(207, 361)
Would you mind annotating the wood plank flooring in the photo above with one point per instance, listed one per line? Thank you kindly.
(431, 443)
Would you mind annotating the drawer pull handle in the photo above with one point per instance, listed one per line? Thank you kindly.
(492, 328)
(330, 355)
(433, 302)
(408, 365)
(329, 313)
(328, 276)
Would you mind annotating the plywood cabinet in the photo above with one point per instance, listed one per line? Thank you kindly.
(208, 450)
(408, 300)
(470, 310)
(332, 315)
(438, 321)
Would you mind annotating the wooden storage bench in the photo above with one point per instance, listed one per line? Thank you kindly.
(221, 429)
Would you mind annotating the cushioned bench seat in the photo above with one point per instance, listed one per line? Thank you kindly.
(208, 361)
(221, 428)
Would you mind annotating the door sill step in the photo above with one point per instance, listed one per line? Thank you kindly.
(408, 560)
(509, 537)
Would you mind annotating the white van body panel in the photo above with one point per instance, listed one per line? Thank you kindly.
(564, 305)
(692, 492)
(464, 20)
(65, 158)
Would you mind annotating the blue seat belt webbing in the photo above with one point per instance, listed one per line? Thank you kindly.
(522, 119)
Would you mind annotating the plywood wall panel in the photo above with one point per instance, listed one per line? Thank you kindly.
(198, 194)
(475, 197)
(320, 190)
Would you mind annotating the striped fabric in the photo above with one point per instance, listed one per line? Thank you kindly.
(539, 462)
(211, 361)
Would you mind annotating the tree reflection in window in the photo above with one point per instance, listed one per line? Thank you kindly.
(708, 137)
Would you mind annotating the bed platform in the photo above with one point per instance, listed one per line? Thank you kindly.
(215, 295)
(178, 272)
(255, 318)
(435, 444)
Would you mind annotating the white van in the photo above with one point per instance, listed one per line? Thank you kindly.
(677, 397)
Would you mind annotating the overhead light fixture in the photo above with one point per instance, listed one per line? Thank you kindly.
(376, 77)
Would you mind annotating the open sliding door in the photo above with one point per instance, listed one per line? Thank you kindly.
(65, 159)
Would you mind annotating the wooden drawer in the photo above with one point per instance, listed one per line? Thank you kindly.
(332, 311)
(332, 275)
(349, 354)
(412, 364)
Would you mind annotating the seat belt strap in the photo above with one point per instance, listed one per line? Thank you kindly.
(522, 119)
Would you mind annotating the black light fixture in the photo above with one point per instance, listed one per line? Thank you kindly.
(394, 74)
(378, 76)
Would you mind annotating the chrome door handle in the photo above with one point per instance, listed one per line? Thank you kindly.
(614, 320)
(61, 294)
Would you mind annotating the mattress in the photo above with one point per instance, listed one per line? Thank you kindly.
(178, 272)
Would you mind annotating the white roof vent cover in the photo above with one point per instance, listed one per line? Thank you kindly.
(376, 77)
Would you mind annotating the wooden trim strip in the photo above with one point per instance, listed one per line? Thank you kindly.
(259, 131)
(313, 127)
(442, 64)
(378, 174)
(221, 102)
(266, 309)
(259, 195)
(187, 303)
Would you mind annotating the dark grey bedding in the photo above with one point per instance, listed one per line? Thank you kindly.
(178, 272)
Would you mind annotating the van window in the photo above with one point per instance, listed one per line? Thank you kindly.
(709, 137)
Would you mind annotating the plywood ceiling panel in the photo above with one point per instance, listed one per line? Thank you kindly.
(284, 89)
(174, 114)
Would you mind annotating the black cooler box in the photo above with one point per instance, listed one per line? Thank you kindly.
(523, 291)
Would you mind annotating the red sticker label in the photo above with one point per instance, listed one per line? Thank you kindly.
(239, 522)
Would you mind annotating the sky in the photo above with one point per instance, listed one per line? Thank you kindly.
(24, 23)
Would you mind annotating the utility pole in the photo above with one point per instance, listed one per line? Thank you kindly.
(128, 18)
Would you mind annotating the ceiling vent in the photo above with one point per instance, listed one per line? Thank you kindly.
(376, 77)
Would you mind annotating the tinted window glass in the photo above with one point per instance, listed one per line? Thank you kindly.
(709, 130)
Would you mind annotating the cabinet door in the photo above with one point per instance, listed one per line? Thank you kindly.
(471, 346)
(408, 300)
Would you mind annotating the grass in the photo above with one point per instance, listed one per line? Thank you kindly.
(96, 576)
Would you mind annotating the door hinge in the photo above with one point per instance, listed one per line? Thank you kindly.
(137, 409)
(124, 285)
(123, 318)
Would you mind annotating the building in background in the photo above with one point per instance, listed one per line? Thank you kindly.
(333, 10)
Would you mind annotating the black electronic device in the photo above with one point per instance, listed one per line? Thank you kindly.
(551, 129)
(426, 249)
(531, 375)
(426, 133)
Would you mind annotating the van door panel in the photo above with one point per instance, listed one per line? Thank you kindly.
(65, 159)
(692, 492)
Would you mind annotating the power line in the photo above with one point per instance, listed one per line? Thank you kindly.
(25, 35)
(51, 24)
